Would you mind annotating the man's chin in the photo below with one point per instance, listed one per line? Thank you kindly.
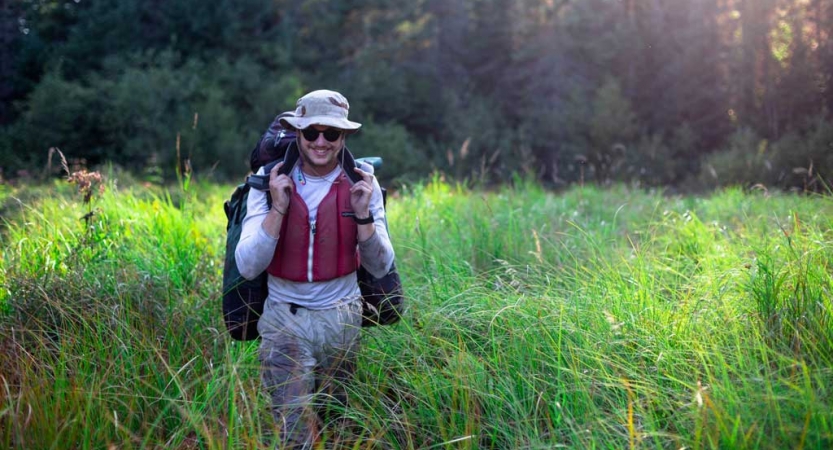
(322, 166)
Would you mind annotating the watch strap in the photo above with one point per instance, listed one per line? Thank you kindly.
(365, 221)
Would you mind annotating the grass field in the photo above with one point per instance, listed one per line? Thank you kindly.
(598, 319)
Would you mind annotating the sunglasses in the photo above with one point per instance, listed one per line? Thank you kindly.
(330, 134)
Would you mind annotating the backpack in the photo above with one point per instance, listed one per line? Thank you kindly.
(382, 299)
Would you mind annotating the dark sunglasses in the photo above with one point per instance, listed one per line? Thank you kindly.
(330, 134)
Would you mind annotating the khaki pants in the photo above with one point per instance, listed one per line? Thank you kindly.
(306, 356)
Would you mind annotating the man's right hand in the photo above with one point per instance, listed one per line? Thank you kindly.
(281, 187)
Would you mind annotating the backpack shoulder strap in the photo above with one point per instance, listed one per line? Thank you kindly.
(348, 164)
(261, 182)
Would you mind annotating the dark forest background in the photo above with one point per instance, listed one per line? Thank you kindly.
(688, 94)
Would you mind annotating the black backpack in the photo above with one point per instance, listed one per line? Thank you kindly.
(382, 299)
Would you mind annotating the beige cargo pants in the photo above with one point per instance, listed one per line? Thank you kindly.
(306, 357)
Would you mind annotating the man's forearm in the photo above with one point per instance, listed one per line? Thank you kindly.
(255, 249)
(273, 222)
(376, 253)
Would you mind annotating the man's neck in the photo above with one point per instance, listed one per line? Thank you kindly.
(317, 171)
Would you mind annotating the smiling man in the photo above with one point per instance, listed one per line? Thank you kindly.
(308, 241)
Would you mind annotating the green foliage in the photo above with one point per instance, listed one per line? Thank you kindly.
(383, 93)
(799, 160)
(612, 125)
(401, 161)
(658, 161)
(159, 110)
(623, 319)
(479, 143)
(567, 92)
(10, 160)
(57, 115)
(150, 101)
(746, 160)
(84, 34)
(806, 158)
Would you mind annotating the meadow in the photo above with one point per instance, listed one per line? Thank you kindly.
(589, 318)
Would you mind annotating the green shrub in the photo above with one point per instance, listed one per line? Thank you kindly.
(611, 130)
(401, 161)
(57, 115)
(747, 160)
(800, 160)
(480, 145)
(805, 160)
(153, 111)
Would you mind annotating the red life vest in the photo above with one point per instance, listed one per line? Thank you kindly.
(324, 252)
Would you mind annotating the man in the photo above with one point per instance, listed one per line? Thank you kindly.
(307, 242)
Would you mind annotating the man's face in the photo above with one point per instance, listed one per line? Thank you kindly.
(319, 153)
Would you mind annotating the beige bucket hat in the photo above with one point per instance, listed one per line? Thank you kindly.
(321, 107)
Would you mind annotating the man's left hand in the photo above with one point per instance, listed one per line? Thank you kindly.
(360, 194)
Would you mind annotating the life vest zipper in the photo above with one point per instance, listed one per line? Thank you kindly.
(311, 247)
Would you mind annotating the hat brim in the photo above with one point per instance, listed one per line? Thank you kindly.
(300, 123)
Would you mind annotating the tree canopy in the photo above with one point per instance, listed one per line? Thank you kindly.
(657, 92)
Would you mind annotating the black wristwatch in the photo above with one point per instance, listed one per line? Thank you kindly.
(365, 221)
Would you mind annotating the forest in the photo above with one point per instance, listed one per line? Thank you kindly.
(684, 95)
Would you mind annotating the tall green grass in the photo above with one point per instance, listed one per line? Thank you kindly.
(583, 319)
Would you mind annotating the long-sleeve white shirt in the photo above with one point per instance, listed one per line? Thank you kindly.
(256, 248)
